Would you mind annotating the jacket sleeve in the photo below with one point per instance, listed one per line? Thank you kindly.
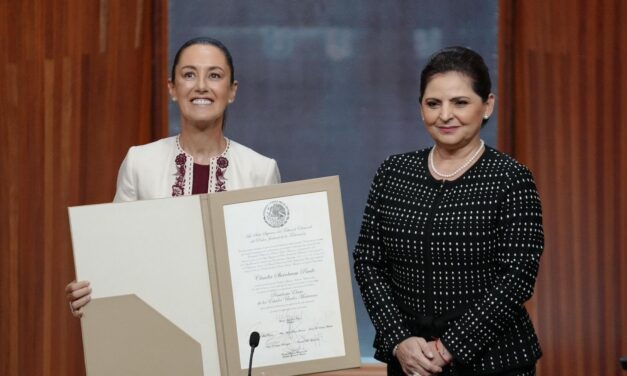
(273, 176)
(126, 185)
(372, 274)
(520, 241)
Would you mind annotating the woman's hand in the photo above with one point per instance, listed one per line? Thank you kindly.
(78, 294)
(417, 357)
(442, 356)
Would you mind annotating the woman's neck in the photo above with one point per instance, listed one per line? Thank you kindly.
(455, 153)
(451, 163)
(202, 144)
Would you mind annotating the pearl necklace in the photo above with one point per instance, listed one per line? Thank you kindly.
(472, 158)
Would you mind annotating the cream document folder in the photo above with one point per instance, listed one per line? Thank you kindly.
(180, 283)
(154, 250)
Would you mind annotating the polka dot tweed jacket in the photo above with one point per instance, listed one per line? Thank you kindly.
(428, 248)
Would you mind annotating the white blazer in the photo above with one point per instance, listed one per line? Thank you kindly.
(151, 171)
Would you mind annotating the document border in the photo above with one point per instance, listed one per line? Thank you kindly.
(224, 307)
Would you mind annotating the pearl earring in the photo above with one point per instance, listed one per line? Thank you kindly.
(173, 99)
(486, 117)
(230, 100)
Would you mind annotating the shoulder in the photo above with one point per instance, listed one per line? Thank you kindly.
(240, 152)
(412, 160)
(163, 146)
(504, 171)
(503, 164)
(153, 154)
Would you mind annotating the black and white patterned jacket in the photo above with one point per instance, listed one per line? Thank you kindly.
(472, 245)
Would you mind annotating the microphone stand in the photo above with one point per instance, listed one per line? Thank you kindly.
(254, 342)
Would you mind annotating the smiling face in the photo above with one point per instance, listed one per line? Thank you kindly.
(202, 86)
(452, 111)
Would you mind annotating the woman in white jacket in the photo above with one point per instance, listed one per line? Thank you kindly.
(198, 160)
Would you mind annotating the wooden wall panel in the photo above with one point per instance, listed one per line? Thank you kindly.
(78, 88)
(564, 114)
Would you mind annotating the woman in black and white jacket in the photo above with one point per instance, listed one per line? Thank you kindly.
(451, 239)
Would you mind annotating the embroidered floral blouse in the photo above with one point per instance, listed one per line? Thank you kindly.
(183, 184)
(162, 169)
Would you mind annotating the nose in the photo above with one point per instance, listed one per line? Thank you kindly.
(201, 85)
(446, 113)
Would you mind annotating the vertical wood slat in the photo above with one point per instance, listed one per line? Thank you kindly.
(621, 118)
(70, 111)
(565, 68)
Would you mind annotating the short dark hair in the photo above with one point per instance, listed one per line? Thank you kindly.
(462, 60)
(204, 40)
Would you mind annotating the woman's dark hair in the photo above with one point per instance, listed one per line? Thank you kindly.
(462, 60)
(204, 40)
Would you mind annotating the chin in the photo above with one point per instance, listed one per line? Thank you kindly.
(204, 123)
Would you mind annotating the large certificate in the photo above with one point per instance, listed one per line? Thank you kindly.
(271, 260)
(287, 275)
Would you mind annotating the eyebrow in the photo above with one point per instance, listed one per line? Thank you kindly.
(195, 68)
(452, 99)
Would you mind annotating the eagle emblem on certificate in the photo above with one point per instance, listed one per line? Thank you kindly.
(276, 214)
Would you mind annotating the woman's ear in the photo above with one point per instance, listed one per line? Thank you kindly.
(489, 105)
(233, 92)
(171, 90)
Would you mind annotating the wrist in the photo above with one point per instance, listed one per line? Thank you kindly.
(395, 349)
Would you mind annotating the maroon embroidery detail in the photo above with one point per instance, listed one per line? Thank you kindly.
(179, 185)
(222, 163)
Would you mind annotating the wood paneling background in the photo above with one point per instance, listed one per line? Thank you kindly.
(80, 82)
(563, 112)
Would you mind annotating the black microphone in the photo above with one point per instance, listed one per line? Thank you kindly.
(253, 342)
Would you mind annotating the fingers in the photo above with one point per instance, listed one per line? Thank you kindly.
(79, 303)
(416, 356)
(76, 306)
(77, 290)
(78, 313)
(426, 357)
(438, 359)
(78, 294)
(425, 348)
(74, 285)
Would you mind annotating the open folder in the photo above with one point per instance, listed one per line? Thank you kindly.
(180, 283)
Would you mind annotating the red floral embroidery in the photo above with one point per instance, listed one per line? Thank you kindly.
(222, 164)
(179, 185)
